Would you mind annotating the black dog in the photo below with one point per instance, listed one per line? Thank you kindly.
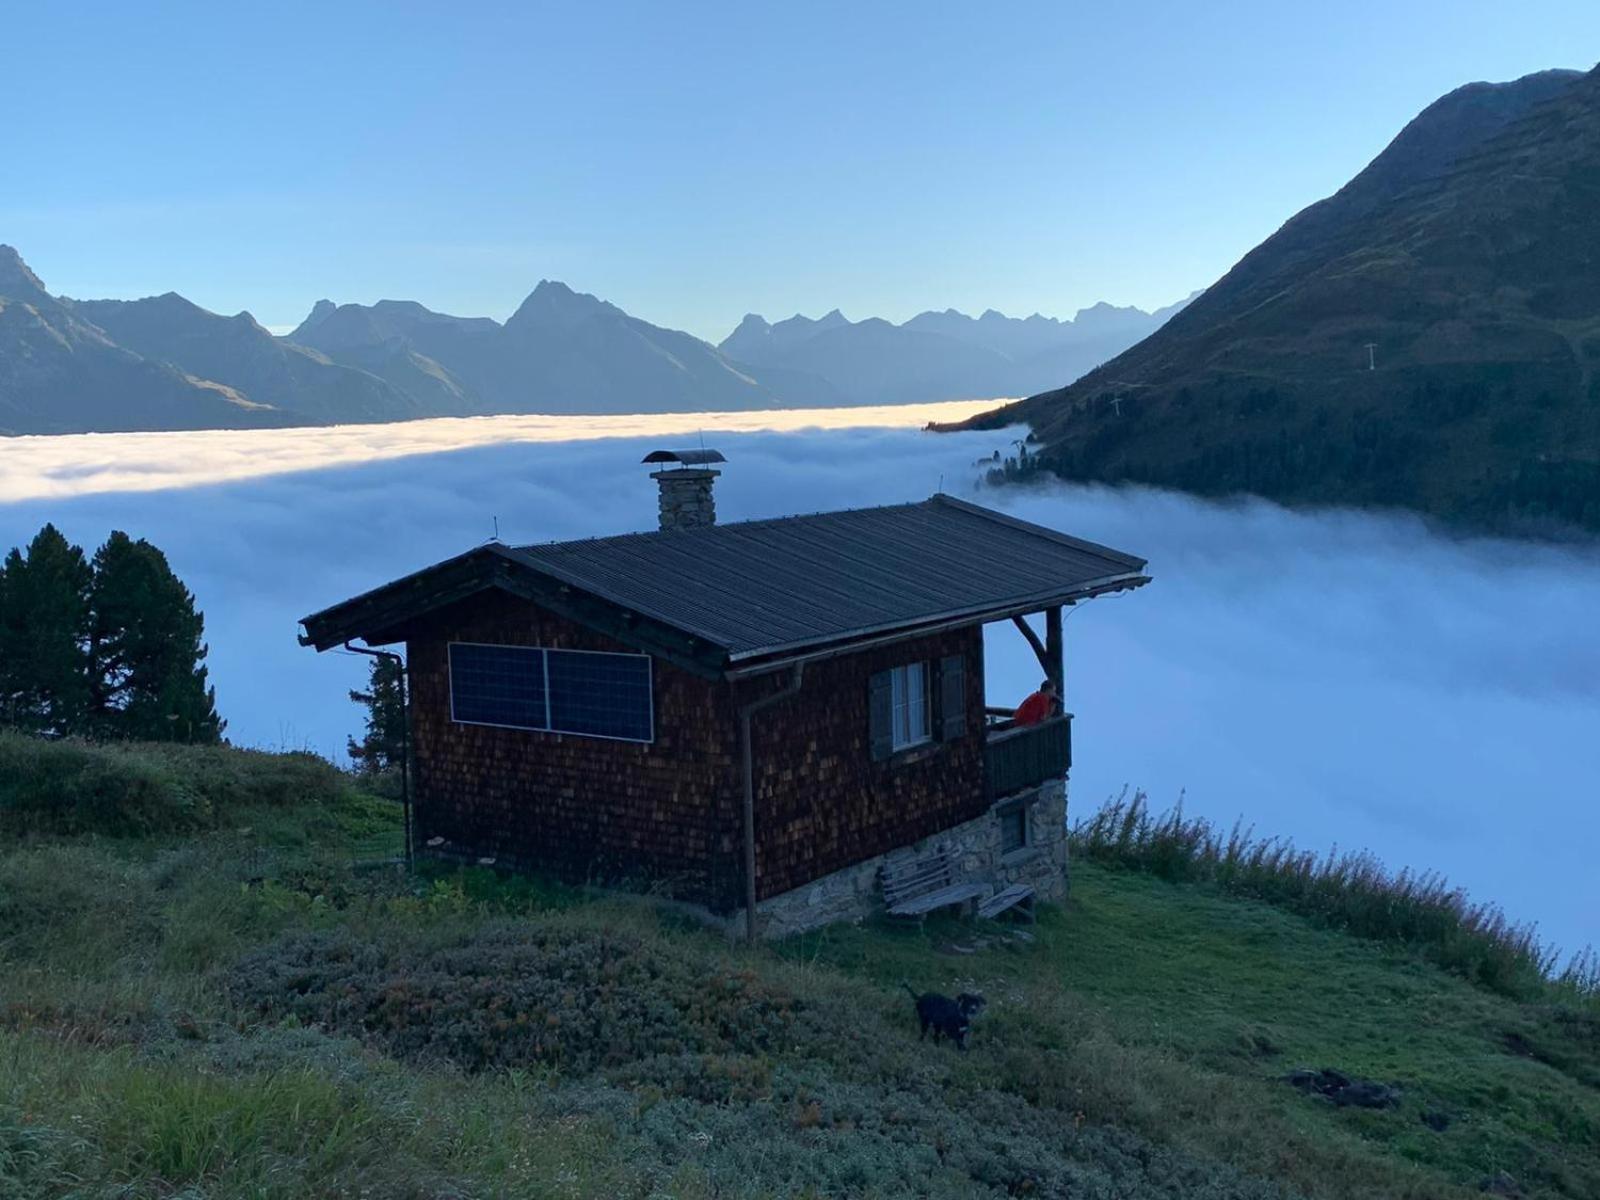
(946, 1017)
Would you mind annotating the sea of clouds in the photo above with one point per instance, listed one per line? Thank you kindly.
(1337, 677)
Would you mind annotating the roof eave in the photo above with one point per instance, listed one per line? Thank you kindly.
(759, 661)
(381, 615)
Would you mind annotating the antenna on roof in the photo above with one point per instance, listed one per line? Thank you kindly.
(496, 536)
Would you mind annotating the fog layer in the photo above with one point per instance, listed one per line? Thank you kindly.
(1336, 677)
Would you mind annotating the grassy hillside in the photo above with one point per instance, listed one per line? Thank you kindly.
(1427, 337)
(236, 1010)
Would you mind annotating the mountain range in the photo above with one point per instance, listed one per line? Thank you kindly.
(165, 363)
(1427, 337)
(943, 355)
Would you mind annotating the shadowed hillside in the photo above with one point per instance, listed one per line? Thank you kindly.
(1462, 266)
(205, 995)
(60, 373)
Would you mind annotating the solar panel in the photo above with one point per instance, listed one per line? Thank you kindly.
(498, 685)
(588, 693)
(600, 695)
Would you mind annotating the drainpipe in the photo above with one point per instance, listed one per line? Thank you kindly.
(405, 736)
(746, 711)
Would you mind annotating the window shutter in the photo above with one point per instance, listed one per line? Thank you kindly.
(952, 697)
(880, 716)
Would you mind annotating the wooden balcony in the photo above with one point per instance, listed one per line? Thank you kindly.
(1021, 757)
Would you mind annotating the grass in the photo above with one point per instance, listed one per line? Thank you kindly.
(1350, 891)
(237, 1011)
(73, 786)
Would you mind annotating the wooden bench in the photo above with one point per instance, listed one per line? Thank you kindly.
(1018, 896)
(919, 886)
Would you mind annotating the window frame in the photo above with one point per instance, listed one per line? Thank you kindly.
(906, 707)
(1019, 811)
(544, 667)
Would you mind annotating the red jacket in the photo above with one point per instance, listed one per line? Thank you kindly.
(1034, 709)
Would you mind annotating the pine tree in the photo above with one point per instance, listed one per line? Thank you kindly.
(146, 669)
(44, 622)
(383, 747)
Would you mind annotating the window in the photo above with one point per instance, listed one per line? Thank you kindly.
(908, 690)
(588, 693)
(913, 704)
(1013, 829)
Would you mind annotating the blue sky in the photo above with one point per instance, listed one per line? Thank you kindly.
(695, 162)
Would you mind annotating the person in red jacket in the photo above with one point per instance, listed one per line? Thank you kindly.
(1040, 706)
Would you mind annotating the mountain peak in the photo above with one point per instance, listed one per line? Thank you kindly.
(554, 304)
(16, 279)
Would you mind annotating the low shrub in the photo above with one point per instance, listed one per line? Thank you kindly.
(75, 787)
(511, 996)
(1349, 891)
(72, 787)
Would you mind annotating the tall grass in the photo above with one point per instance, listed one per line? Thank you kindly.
(74, 787)
(1346, 890)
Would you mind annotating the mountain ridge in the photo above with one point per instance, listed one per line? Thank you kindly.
(1426, 337)
(943, 355)
(163, 362)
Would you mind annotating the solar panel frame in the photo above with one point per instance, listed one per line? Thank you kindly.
(642, 712)
(457, 672)
(647, 685)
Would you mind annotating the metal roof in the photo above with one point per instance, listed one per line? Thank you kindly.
(743, 596)
(757, 588)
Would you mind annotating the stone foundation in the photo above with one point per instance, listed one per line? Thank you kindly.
(854, 893)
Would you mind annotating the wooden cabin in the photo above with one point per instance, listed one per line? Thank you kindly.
(771, 717)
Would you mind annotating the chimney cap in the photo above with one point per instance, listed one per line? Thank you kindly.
(684, 458)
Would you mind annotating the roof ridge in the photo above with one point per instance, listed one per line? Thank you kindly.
(1055, 535)
(748, 523)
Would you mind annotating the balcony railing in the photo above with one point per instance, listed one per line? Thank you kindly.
(1018, 757)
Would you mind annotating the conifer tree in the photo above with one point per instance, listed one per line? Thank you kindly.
(146, 657)
(383, 747)
(44, 622)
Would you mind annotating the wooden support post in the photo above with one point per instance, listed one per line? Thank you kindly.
(1039, 650)
(1055, 650)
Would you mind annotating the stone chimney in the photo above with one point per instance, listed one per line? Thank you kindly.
(686, 499)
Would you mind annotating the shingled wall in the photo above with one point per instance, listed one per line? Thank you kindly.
(583, 809)
(668, 815)
(822, 803)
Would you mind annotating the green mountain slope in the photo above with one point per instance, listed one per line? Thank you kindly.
(226, 1006)
(1463, 265)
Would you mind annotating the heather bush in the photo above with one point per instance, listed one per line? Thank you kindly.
(1349, 891)
(70, 786)
(511, 996)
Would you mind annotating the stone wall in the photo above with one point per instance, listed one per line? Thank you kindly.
(854, 893)
(686, 497)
